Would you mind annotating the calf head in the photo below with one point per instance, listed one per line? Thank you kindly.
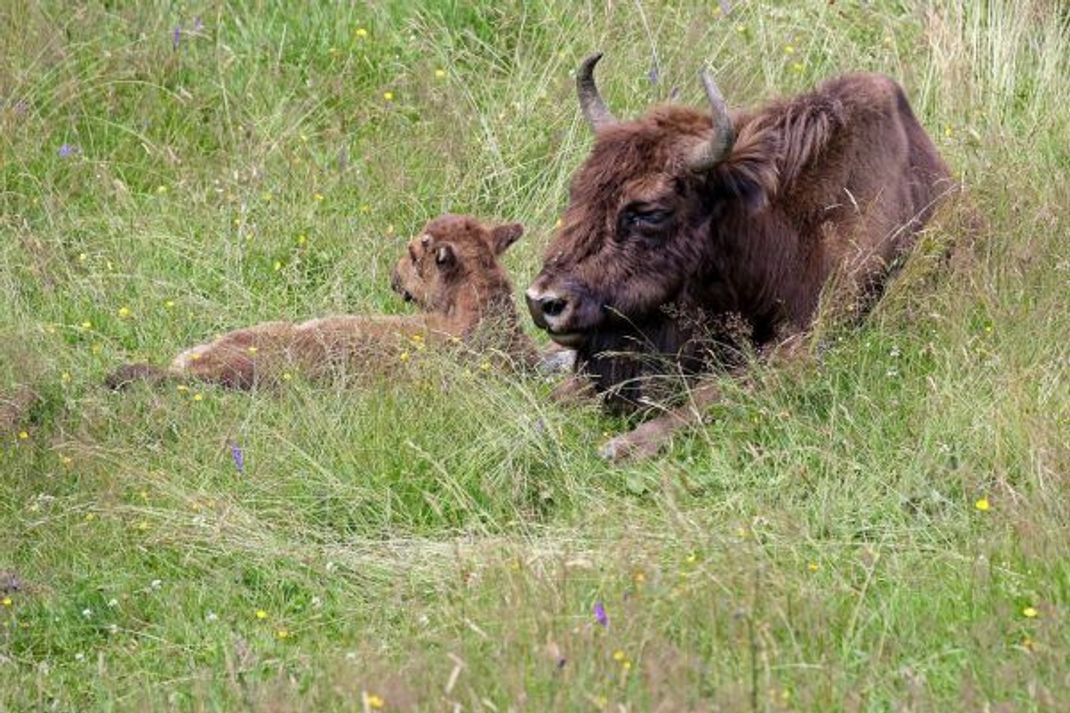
(451, 268)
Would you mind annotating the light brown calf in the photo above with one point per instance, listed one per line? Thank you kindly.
(450, 270)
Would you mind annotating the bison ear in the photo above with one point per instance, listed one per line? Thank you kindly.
(502, 236)
(445, 255)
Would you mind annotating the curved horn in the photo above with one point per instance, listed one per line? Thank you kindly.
(594, 109)
(708, 154)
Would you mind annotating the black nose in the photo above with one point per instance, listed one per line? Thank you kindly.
(552, 306)
(543, 307)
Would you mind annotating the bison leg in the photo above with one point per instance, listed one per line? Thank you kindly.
(650, 437)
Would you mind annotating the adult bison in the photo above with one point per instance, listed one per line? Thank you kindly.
(689, 233)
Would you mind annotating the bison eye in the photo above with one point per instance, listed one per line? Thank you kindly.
(645, 218)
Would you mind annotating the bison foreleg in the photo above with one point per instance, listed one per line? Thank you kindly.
(650, 437)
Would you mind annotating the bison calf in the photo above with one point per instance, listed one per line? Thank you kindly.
(690, 235)
(450, 271)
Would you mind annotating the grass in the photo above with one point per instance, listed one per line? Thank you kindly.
(440, 544)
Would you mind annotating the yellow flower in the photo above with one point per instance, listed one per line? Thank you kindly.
(559, 223)
(374, 701)
(318, 197)
(252, 350)
(618, 655)
(948, 131)
(627, 665)
(161, 189)
(361, 32)
(169, 303)
(301, 239)
(282, 633)
(1030, 613)
(640, 577)
(261, 614)
(440, 73)
(143, 526)
(89, 517)
(6, 601)
(124, 312)
(87, 324)
(485, 366)
(982, 505)
(286, 376)
(23, 435)
(692, 558)
(365, 208)
(404, 356)
(182, 387)
(82, 257)
(66, 460)
(797, 66)
(389, 96)
(813, 566)
(789, 49)
(198, 397)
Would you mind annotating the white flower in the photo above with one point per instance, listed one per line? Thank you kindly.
(87, 613)
(156, 583)
(112, 603)
(211, 616)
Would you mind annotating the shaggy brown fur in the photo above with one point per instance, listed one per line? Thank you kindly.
(658, 264)
(450, 270)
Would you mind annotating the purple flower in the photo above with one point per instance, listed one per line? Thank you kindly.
(600, 614)
(176, 37)
(68, 150)
(238, 456)
(197, 24)
(653, 75)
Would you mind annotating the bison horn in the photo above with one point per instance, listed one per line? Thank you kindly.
(594, 109)
(709, 153)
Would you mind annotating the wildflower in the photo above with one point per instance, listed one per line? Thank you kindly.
(365, 208)
(559, 223)
(692, 558)
(112, 603)
(198, 397)
(287, 376)
(389, 96)
(65, 377)
(789, 49)
(124, 312)
(318, 197)
(23, 435)
(211, 616)
(176, 37)
(68, 150)
(113, 629)
(404, 357)
(90, 517)
(797, 66)
(197, 24)
(485, 366)
(87, 324)
(87, 613)
(238, 456)
(440, 74)
(182, 388)
(813, 566)
(261, 614)
(639, 577)
(618, 655)
(302, 239)
(948, 131)
(156, 584)
(982, 505)
(282, 633)
(252, 350)
(6, 601)
(600, 614)
(360, 32)
(66, 460)
(1030, 613)
(169, 304)
(143, 526)
(278, 265)
(374, 701)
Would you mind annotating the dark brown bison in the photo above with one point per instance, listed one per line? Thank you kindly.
(451, 271)
(691, 234)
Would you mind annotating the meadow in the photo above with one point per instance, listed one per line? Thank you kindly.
(884, 526)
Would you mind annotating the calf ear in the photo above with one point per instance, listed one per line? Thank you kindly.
(445, 256)
(502, 236)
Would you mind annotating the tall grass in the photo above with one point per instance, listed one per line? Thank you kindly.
(439, 544)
